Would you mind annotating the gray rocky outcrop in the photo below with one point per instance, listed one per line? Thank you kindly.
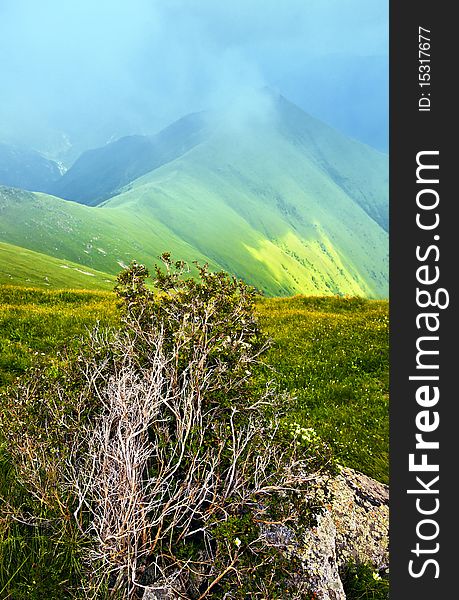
(352, 525)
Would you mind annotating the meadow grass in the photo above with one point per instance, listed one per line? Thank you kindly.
(332, 356)
(330, 353)
(22, 267)
(36, 324)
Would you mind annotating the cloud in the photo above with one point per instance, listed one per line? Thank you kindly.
(117, 66)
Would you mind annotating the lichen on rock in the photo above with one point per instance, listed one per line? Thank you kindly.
(360, 512)
(352, 526)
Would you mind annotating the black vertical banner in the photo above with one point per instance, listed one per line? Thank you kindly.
(424, 236)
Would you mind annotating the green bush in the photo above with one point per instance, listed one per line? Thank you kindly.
(157, 453)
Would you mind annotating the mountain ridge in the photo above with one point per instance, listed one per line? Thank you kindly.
(99, 173)
(271, 195)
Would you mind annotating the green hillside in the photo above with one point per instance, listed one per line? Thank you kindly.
(309, 205)
(280, 200)
(104, 240)
(19, 266)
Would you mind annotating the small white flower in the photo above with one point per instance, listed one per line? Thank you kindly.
(238, 542)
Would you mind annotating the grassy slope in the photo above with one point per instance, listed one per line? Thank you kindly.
(330, 353)
(100, 239)
(275, 213)
(19, 266)
(359, 170)
(289, 205)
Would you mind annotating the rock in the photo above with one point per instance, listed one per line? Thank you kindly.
(161, 588)
(319, 560)
(353, 525)
(360, 511)
(156, 593)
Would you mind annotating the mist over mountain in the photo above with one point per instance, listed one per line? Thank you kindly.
(78, 75)
(348, 93)
(101, 173)
(27, 169)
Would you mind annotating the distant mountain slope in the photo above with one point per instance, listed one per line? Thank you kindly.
(19, 266)
(315, 200)
(105, 240)
(273, 196)
(360, 171)
(100, 173)
(26, 169)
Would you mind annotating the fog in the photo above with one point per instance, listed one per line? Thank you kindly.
(78, 73)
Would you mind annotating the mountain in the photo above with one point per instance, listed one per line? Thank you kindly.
(265, 192)
(26, 169)
(100, 173)
(103, 240)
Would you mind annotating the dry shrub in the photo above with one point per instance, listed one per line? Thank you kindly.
(163, 451)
